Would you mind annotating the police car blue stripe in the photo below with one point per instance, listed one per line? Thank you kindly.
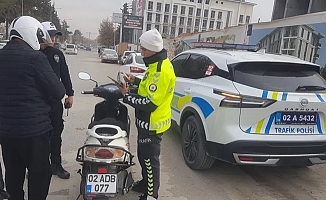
(269, 123)
(248, 130)
(319, 125)
(179, 94)
(204, 106)
(265, 94)
(320, 98)
(176, 110)
(284, 96)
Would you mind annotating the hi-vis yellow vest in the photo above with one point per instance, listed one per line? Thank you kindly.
(158, 86)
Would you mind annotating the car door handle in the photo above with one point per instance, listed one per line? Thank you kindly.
(187, 91)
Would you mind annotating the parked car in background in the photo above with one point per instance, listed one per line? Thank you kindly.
(88, 48)
(71, 49)
(109, 55)
(134, 65)
(125, 56)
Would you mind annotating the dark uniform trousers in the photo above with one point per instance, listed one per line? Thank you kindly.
(57, 123)
(148, 152)
(33, 154)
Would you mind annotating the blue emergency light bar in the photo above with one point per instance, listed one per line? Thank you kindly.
(225, 46)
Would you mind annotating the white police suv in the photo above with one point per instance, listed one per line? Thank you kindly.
(247, 107)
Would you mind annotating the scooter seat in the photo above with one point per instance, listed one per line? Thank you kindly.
(109, 121)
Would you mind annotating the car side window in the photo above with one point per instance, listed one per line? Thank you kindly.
(178, 62)
(195, 67)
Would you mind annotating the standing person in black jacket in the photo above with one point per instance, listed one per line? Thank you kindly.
(58, 63)
(28, 84)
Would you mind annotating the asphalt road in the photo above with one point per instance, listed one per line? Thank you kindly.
(178, 182)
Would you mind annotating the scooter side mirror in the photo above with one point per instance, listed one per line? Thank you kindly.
(84, 76)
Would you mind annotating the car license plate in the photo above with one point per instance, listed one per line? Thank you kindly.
(101, 183)
(296, 118)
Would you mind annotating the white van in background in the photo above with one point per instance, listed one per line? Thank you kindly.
(71, 49)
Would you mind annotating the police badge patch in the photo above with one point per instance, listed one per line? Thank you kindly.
(56, 58)
(152, 88)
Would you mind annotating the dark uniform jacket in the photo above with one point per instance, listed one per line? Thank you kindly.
(27, 85)
(58, 63)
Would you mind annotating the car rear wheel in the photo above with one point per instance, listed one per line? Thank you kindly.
(193, 144)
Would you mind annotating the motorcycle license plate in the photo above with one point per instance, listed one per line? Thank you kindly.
(101, 184)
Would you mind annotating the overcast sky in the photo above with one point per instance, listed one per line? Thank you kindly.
(86, 15)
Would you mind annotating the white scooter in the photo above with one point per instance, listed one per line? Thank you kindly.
(105, 156)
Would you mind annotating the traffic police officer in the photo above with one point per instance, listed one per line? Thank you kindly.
(60, 67)
(152, 108)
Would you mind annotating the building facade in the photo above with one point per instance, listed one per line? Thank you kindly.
(301, 41)
(174, 17)
(290, 8)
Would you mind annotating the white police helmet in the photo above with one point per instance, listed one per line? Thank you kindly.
(29, 30)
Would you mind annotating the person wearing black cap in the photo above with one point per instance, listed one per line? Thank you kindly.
(58, 62)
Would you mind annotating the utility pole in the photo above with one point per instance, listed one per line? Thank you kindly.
(22, 7)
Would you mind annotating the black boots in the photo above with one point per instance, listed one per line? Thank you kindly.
(58, 170)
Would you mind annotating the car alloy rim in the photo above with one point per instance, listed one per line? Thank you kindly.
(191, 141)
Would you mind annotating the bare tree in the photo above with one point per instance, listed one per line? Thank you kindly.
(106, 32)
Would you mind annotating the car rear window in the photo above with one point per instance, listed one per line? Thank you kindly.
(283, 77)
(139, 59)
(127, 53)
(70, 46)
(108, 51)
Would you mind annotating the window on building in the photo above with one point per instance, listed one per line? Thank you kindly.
(211, 24)
(166, 18)
(207, 2)
(150, 5)
(196, 29)
(204, 25)
(149, 17)
(175, 9)
(205, 13)
(190, 11)
(165, 29)
(218, 25)
(157, 27)
(167, 8)
(173, 31)
(212, 14)
(158, 18)
(192, 0)
(247, 19)
(159, 6)
(149, 27)
(174, 20)
(241, 19)
(182, 21)
(197, 21)
(198, 13)
(219, 15)
(200, 1)
(189, 23)
(183, 10)
(188, 30)
(180, 31)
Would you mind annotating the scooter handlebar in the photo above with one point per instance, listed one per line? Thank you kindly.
(87, 92)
